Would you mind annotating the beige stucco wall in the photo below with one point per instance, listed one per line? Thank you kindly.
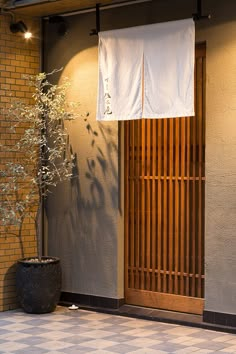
(85, 218)
(220, 249)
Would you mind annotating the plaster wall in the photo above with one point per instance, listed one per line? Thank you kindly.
(220, 240)
(85, 218)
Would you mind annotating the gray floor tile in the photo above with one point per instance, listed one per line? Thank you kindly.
(213, 345)
(32, 340)
(33, 350)
(206, 334)
(122, 348)
(117, 337)
(76, 339)
(77, 350)
(169, 347)
(34, 330)
(84, 332)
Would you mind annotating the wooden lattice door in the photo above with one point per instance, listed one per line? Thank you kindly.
(164, 207)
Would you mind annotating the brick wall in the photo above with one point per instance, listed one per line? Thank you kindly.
(17, 57)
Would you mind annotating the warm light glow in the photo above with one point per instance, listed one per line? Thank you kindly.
(27, 35)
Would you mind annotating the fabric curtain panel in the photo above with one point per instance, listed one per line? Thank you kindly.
(147, 71)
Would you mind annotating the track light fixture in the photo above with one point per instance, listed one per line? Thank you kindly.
(20, 26)
(62, 25)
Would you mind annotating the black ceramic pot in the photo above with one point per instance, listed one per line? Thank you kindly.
(38, 284)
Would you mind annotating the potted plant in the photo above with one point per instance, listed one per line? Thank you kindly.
(40, 159)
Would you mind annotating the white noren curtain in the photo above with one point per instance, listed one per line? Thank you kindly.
(147, 71)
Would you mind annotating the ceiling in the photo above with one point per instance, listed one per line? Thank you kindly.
(40, 8)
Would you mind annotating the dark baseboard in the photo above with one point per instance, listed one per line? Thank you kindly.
(91, 300)
(117, 307)
(224, 319)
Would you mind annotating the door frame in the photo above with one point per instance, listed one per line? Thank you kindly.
(156, 299)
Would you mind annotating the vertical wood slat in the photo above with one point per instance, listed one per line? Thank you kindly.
(182, 206)
(143, 165)
(154, 208)
(148, 201)
(165, 253)
(203, 164)
(126, 201)
(199, 114)
(170, 210)
(159, 210)
(176, 287)
(137, 214)
(166, 201)
(188, 208)
(193, 206)
(132, 201)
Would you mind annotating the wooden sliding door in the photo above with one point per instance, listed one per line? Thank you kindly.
(164, 207)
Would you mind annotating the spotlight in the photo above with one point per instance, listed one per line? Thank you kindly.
(20, 26)
(28, 35)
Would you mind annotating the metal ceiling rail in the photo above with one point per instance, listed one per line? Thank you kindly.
(13, 4)
(21, 3)
(196, 16)
(106, 7)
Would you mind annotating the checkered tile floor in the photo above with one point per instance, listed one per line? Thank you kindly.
(80, 331)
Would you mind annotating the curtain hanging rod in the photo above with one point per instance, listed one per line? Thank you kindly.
(198, 15)
(95, 31)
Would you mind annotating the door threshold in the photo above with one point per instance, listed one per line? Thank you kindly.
(185, 319)
(162, 315)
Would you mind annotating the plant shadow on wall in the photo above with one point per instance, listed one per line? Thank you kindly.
(104, 160)
(86, 209)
